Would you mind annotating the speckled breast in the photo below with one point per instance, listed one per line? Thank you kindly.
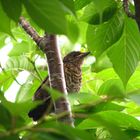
(73, 78)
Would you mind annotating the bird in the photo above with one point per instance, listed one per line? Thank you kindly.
(72, 64)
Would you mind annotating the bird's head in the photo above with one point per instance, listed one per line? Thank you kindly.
(75, 57)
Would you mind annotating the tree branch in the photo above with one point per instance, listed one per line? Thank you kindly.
(126, 9)
(48, 44)
(137, 12)
(56, 75)
(29, 30)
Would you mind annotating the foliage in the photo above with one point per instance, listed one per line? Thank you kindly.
(107, 106)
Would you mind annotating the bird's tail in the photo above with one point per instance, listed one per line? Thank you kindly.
(38, 112)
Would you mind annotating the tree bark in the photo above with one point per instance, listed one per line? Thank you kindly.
(137, 12)
(56, 76)
(48, 44)
(126, 8)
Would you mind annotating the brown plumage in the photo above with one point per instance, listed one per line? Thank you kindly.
(72, 70)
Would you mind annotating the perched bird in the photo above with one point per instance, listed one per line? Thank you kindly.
(72, 71)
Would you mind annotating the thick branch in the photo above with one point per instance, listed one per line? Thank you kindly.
(137, 12)
(48, 44)
(57, 78)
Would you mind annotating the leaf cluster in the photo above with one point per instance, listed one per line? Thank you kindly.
(107, 107)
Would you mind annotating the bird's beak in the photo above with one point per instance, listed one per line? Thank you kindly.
(82, 55)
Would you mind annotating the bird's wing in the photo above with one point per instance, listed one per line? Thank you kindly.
(46, 106)
(42, 93)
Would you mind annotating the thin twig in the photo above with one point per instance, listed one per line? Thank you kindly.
(35, 128)
(126, 9)
(31, 31)
(35, 68)
(15, 79)
(137, 12)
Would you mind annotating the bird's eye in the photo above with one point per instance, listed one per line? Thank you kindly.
(76, 54)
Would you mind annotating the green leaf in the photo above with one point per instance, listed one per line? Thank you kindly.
(98, 12)
(117, 118)
(68, 132)
(107, 106)
(43, 136)
(18, 110)
(135, 96)
(5, 23)
(54, 93)
(6, 79)
(12, 8)
(18, 63)
(113, 121)
(115, 131)
(79, 4)
(5, 117)
(93, 104)
(112, 88)
(10, 137)
(21, 49)
(101, 37)
(88, 124)
(101, 63)
(133, 84)
(103, 134)
(2, 40)
(133, 108)
(58, 131)
(107, 74)
(128, 49)
(73, 30)
(132, 133)
(19, 33)
(69, 4)
(27, 90)
(83, 98)
(82, 32)
(47, 14)
(90, 83)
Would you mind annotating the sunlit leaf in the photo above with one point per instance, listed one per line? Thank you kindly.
(5, 117)
(101, 37)
(21, 49)
(12, 8)
(128, 49)
(107, 74)
(18, 63)
(112, 88)
(27, 90)
(81, 3)
(69, 4)
(73, 30)
(68, 132)
(133, 84)
(101, 63)
(2, 40)
(83, 98)
(98, 12)
(51, 12)
(5, 23)
(107, 106)
(18, 109)
(6, 79)
(113, 121)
